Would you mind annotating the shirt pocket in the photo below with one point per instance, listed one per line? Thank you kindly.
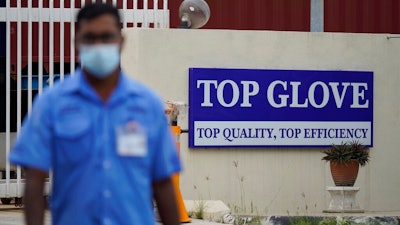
(73, 137)
(140, 163)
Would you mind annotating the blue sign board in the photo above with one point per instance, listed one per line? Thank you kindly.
(279, 108)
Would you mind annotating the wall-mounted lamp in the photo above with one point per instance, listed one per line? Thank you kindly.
(194, 13)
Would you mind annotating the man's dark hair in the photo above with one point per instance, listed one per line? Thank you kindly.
(94, 10)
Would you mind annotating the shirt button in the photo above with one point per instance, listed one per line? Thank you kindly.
(106, 164)
(107, 194)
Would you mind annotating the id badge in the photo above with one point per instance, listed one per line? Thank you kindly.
(131, 140)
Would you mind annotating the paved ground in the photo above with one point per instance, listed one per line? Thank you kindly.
(11, 215)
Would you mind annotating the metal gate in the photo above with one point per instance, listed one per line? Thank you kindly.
(39, 50)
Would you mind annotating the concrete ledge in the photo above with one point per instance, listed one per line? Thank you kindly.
(343, 211)
(211, 210)
(327, 220)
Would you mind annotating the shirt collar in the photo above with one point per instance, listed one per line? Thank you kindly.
(79, 83)
(125, 88)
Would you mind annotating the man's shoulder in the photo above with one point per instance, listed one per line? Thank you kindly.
(68, 83)
(59, 88)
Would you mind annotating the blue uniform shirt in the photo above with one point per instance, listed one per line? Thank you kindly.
(73, 133)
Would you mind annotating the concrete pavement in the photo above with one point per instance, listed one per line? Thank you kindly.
(11, 215)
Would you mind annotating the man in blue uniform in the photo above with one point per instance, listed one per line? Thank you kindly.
(104, 136)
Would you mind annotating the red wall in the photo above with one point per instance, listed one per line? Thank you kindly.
(354, 16)
(362, 16)
(289, 15)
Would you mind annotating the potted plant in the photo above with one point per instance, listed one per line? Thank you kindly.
(345, 160)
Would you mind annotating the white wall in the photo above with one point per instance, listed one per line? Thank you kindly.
(274, 180)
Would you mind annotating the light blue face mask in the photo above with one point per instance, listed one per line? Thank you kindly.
(99, 60)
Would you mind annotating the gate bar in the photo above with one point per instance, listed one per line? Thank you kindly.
(165, 14)
(72, 34)
(62, 41)
(145, 16)
(40, 52)
(8, 93)
(19, 80)
(124, 6)
(30, 57)
(155, 9)
(51, 43)
(135, 7)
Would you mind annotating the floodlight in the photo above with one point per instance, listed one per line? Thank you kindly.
(194, 13)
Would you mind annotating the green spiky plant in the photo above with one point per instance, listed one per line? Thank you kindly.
(343, 153)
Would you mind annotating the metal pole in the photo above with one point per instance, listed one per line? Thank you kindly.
(62, 40)
(317, 16)
(40, 51)
(165, 15)
(51, 43)
(145, 23)
(135, 7)
(72, 37)
(155, 14)
(30, 35)
(8, 94)
(124, 7)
